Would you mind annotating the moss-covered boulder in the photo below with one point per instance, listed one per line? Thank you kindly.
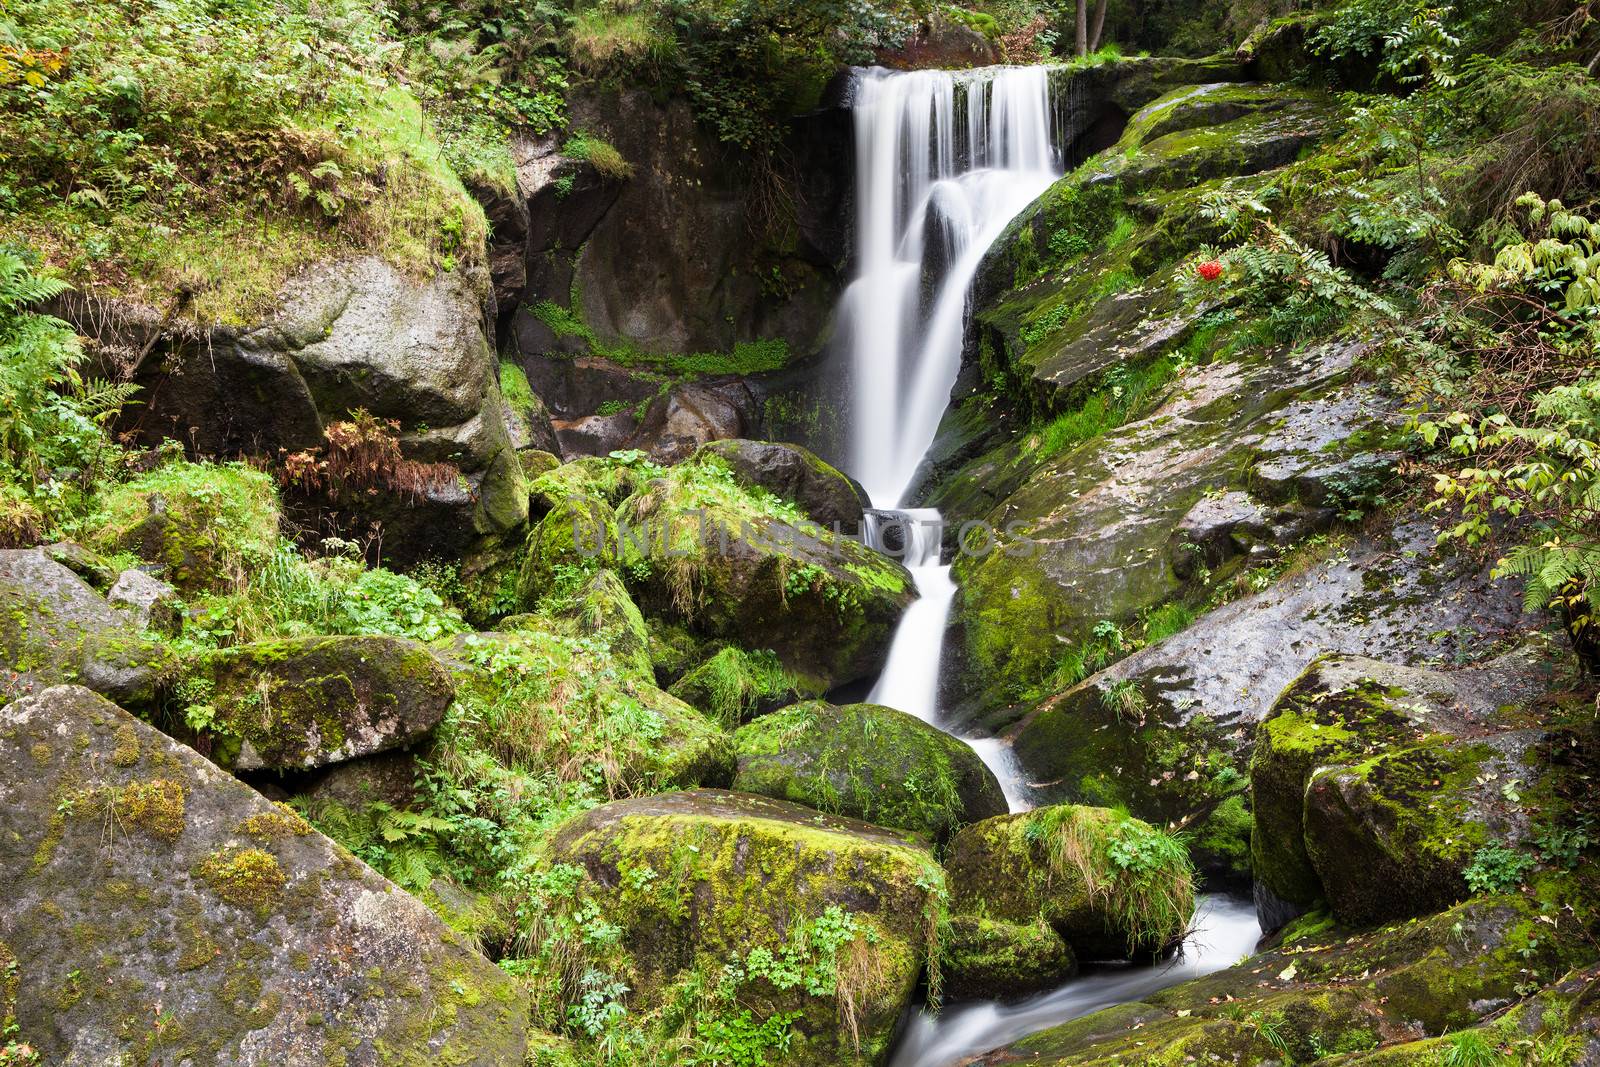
(570, 542)
(308, 702)
(546, 702)
(205, 525)
(1187, 137)
(739, 564)
(734, 685)
(1327, 992)
(809, 932)
(986, 959)
(827, 496)
(1110, 885)
(213, 927)
(1376, 784)
(867, 762)
(55, 628)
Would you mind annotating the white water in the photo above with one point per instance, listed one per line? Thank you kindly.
(930, 200)
(928, 196)
(1225, 931)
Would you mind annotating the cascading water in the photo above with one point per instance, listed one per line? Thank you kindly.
(929, 203)
(932, 194)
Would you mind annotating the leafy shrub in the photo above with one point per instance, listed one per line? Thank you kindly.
(53, 447)
(1497, 869)
(1527, 438)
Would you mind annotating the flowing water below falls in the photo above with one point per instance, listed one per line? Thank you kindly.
(944, 161)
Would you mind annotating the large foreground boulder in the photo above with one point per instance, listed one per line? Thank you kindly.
(867, 762)
(1376, 784)
(55, 628)
(307, 702)
(161, 912)
(1111, 886)
(817, 923)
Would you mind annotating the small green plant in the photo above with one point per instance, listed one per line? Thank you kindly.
(1497, 869)
(1469, 1048)
(599, 154)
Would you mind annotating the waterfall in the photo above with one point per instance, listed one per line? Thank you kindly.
(944, 161)
(932, 194)
(931, 197)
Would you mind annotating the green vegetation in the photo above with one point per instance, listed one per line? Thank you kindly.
(193, 156)
(747, 357)
(1125, 392)
(599, 154)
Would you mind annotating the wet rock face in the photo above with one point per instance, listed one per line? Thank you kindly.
(55, 628)
(737, 873)
(665, 261)
(303, 703)
(1168, 731)
(1375, 784)
(985, 959)
(347, 336)
(1329, 991)
(161, 911)
(867, 762)
(1102, 518)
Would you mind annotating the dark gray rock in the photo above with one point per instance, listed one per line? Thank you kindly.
(152, 602)
(56, 629)
(348, 335)
(307, 702)
(163, 912)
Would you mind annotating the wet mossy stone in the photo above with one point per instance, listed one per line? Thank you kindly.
(867, 762)
(828, 496)
(741, 565)
(1374, 783)
(1200, 106)
(54, 628)
(193, 935)
(576, 536)
(205, 525)
(1331, 997)
(307, 702)
(591, 477)
(1074, 867)
(696, 879)
(984, 959)
(602, 609)
(1261, 139)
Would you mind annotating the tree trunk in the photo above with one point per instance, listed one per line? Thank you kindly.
(1083, 27)
(1099, 26)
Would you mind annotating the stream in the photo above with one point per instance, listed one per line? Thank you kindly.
(945, 160)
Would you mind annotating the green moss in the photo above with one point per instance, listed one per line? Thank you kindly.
(244, 877)
(734, 685)
(281, 822)
(866, 762)
(1110, 885)
(155, 807)
(206, 525)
